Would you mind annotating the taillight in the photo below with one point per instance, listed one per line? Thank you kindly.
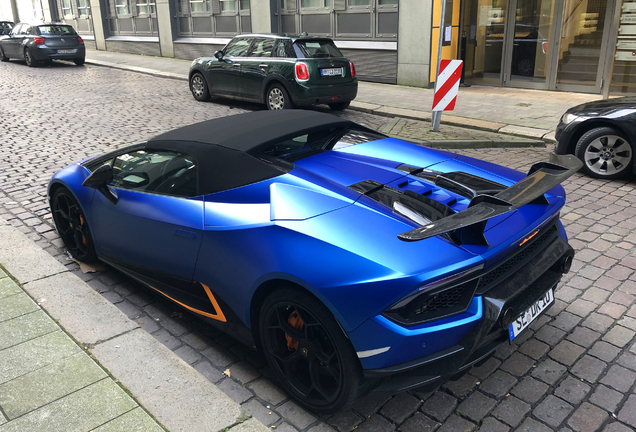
(39, 40)
(353, 70)
(302, 72)
(80, 40)
(545, 47)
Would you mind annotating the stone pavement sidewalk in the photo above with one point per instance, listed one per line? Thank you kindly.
(48, 381)
(520, 112)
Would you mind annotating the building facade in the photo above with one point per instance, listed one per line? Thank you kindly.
(568, 45)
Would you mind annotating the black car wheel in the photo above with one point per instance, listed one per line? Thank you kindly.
(80, 61)
(339, 106)
(199, 88)
(605, 153)
(3, 57)
(72, 226)
(277, 98)
(308, 351)
(28, 58)
(525, 67)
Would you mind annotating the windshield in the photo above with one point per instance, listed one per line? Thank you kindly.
(318, 49)
(56, 30)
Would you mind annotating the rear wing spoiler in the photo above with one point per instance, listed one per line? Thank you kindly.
(468, 225)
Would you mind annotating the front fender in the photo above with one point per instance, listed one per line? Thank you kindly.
(72, 178)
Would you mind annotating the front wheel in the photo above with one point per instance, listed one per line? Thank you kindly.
(339, 106)
(605, 153)
(199, 87)
(308, 351)
(3, 56)
(277, 98)
(72, 226)
(28, 58)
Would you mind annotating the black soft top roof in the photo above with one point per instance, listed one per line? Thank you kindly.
(224, 147)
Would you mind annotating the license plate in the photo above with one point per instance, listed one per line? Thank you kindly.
(69, 51)
(524, 320)
(331, 71)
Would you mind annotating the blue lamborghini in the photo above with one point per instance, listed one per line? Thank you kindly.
(353, 261)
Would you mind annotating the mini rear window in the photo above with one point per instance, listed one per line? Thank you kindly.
(56, 30)
(6, 25)
(318, 49)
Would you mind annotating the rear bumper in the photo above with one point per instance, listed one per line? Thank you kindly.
(307, 94)
(43, 53)
(459, 343)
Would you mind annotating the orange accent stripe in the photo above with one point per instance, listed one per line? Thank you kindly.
(529, 238)
(218, 316)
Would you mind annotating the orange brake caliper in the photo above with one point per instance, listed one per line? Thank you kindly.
(82, 226)
(296, 322)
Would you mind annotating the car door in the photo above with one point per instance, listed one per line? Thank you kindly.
(255, 67)
(224, 74)
(10, 44)
(154, 227)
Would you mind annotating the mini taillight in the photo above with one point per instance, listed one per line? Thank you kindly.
(353, 70)
(302, 72)
(39, 40)
(80, 40)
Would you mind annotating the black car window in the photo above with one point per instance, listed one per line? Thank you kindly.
(25, 30)
(237, 47)
(299, 147)
(161, 172)
(356, 136)
(262, 48)
(18, 30)
(56, 30)
(5, 25)
(280, 51)
(34, 31)
(318, 48)
(15, 30)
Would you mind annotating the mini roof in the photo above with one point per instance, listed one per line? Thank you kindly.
(247, 132)
(224, 147)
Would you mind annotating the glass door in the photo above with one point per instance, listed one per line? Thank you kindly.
(528, 44)
(582, 45)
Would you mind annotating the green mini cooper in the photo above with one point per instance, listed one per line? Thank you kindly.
(281, 71)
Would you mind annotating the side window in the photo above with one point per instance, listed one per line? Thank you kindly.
(280, 50)
(355, 136)
(238, 48)
(262, 48)
(25, 30)
(161, 172)
(16, 29)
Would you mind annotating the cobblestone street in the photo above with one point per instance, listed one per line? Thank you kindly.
(574, 370)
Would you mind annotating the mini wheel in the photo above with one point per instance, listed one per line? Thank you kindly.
(339, 106)
(277, 98)
(199, 87)
(605, 153)
(308, 351)
(72, 226)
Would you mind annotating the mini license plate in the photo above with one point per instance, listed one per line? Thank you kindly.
(331, 71)
(524, 320)
(69, 51)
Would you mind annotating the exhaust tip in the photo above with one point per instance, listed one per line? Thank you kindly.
(506, 318)
(566, 263)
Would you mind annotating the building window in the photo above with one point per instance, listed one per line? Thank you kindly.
(82, 8)
(199, 6)
(315, 3)
(66, 8)
(359, 2)
(228, 5)
(145, 7)
(245, 5)
(122, 7)
(387, 2)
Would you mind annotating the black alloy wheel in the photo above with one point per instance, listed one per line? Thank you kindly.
(199, 87)
(339, 106)
(277, 98)
(28, 58)
(72, 226)
(309, 353)
(605, 153)
(3, 57)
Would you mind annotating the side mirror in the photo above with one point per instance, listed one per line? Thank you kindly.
(98, 180)
(218, 55)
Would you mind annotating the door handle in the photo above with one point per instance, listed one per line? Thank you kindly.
(185, 233)
(263, 65)
(236, 64)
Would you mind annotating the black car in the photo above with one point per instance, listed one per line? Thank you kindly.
(35, 43)
(602, 134)
(5, 27)
(281, 71)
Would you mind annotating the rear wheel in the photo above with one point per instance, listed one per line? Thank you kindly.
(199, 87)
(3, 57)
(277, 98)
(308, 351)
(72, 226)
(28, 58)
(339, 106)
(80, 61)
(605, 153)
